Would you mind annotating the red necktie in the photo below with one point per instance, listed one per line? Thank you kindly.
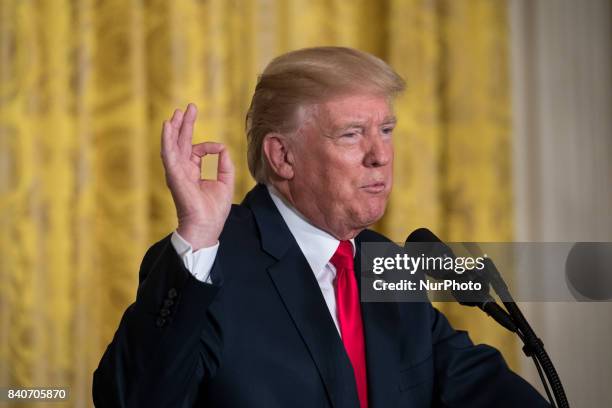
(349, 316)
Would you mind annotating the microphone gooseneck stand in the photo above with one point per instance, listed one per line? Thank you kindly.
(532, 345)
(514, 321)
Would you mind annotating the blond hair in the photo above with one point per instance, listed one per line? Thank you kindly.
(308, 76)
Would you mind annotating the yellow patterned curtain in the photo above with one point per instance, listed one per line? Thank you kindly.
(85, 85)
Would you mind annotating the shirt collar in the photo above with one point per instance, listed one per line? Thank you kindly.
(318, 246)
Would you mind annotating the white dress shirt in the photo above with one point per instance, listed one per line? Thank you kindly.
(317, 246)
(200, 262)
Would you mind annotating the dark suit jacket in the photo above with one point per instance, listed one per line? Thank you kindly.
(261, 336)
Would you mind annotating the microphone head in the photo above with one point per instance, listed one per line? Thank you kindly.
(424, 242)
(431, 246)
(422, 235)
(588, 271)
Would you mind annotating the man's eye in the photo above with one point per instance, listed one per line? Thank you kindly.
(388, 131)
(349, 135)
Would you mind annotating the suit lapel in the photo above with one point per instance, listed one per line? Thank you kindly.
(381, 330)
(302, 297)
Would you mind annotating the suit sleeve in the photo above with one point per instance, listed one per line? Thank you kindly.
(168, 341)
(469, 375)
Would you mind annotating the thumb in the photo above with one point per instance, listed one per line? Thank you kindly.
(225, 168)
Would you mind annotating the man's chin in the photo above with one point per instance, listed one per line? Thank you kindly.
(372, 215)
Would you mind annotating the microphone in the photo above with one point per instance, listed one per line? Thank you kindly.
(587, 271)
(512, 319)
(434, 247)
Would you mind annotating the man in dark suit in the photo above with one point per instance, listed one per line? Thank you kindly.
(256, 305)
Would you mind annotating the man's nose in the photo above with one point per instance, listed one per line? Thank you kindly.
(379, 151)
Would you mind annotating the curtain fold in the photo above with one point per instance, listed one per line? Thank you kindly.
(85, 85)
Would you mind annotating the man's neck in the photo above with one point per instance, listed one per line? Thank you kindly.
(284, 193)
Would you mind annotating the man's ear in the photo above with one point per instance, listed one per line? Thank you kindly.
(280, 157)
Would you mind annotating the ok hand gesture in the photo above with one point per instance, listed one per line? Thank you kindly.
(202, 206)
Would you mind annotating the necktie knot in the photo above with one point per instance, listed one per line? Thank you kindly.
(343, 257)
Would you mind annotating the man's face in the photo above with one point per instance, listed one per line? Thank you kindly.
(343, 167)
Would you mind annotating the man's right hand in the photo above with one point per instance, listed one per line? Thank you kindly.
(202, 206)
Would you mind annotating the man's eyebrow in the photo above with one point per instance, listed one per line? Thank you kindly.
(350, 125)
(386, 121)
